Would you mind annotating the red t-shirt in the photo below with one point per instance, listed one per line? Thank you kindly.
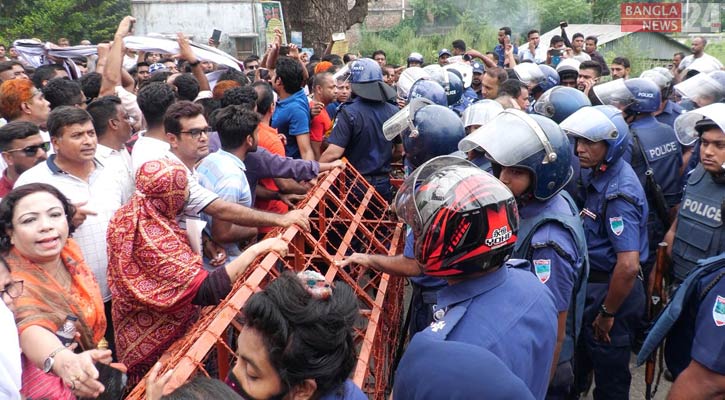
(320, 126)
(269, 140)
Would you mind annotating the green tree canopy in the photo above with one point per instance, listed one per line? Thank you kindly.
(48, 20)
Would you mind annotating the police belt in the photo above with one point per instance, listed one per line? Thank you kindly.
(597, 276)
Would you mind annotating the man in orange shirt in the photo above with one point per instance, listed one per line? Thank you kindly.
(324, 92)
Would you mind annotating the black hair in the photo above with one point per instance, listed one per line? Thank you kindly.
(249, 59)
(146, 56)
(159, 76)
(8, 203)
(177, 111)
(346, 57)
(186, 86)
(265, 96)
(591, 64)
(234, 124)
(376, 52)
(307, 338)
(506, 30)
(555, 39)
(142, 64)
(334, 59)
(16, 130)
(210, 105)
(623, 61)
(64, 116)
(62, 92)
(531, 32)
(679, 53)
(290, 72)
(240, 96)
(592, 38)
(234, 75)
(459, 44)
(8, 65)
(91, 84)
(577, 35)
(102, 110)
(167, 59)
(202, 388)
(511, 87)
(153, 100)
(45, 73)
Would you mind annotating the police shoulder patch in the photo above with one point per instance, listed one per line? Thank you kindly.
(617, 225)
(718, 311)
(542, 268)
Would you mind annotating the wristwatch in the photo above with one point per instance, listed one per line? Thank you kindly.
(191, 64)
(50, 360)
(604, 312)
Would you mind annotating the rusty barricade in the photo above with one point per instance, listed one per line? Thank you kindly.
(346, 215)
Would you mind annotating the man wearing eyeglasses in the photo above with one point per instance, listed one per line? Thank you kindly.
(22, 148)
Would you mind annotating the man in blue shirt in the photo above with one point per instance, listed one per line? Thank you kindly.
(504, 40)
(292, 115)
(464, 222)
(615, 223)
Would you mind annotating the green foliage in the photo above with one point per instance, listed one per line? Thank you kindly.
(627, 47)
(405, 40)
(48, 20)
(551, 12)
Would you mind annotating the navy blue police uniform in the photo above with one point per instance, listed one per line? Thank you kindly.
(669, 114)
(425, 292)
(615, 220)
(551, 237)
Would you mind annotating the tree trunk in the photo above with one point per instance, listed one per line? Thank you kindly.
(319, 19)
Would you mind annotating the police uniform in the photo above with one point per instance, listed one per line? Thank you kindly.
(551, 237)
(508, 312)
(462, 372)
(659, 144)
(359, 130)
(699, 233)
(693, 321)
(425, 292)
(615, 220)
(669, 114)
(469, 97)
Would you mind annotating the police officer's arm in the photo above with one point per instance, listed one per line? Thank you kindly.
(332, 153)
(697, 382)
(670, 236)
(398, 265)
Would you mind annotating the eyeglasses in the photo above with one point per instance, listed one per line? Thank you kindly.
(196, 133)
(31, 151)
(14, 289)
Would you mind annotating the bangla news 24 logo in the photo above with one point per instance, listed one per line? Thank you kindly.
(671, 17)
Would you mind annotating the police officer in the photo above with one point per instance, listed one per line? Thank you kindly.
(692, 323)
(615, 223)
(653, 153)
(427, 130)
(669, 110)
(428, 89)
(698, 230)
(551, 79)
(464, 222)
(473, 118)
(358, 130)
(535, 163)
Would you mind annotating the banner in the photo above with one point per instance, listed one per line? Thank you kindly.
(273, 18)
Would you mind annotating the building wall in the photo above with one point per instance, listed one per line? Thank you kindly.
(652, 45)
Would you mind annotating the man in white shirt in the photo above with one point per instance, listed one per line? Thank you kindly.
(534, 52)
(699, 60)
(113, 129)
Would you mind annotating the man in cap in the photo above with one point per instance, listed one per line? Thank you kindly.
(476, 80)
(358, 130)
(443, 57)
(415, 60)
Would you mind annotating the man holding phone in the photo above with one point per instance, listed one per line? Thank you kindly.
(589, 73)
(533, 52)
(504, 43)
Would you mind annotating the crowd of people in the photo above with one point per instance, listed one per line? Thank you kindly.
(138, 187)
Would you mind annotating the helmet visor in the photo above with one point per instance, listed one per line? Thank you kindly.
(591, 124)
(544, 106)
(405, 205)
(658, 78)
(702, 89)
(403, 119)
(464, 69)
(614, 93)
(509, 138)
(343, 74)
(685, 123)
(407, 79)
(480, 112)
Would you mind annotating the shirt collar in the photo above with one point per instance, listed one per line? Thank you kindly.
(600, 181)
(239, 163)
(468, 289)
(55, 169)
(293, 97)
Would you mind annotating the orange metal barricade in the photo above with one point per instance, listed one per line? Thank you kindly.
(346, 215)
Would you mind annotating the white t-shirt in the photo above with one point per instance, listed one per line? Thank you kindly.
(704, 63)
(10, 367)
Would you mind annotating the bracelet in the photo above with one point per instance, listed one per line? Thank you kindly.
(191, 64)
(604, 312)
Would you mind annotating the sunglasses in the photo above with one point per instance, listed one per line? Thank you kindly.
(31, 151)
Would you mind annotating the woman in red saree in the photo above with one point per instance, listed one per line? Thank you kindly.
(156, 279)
